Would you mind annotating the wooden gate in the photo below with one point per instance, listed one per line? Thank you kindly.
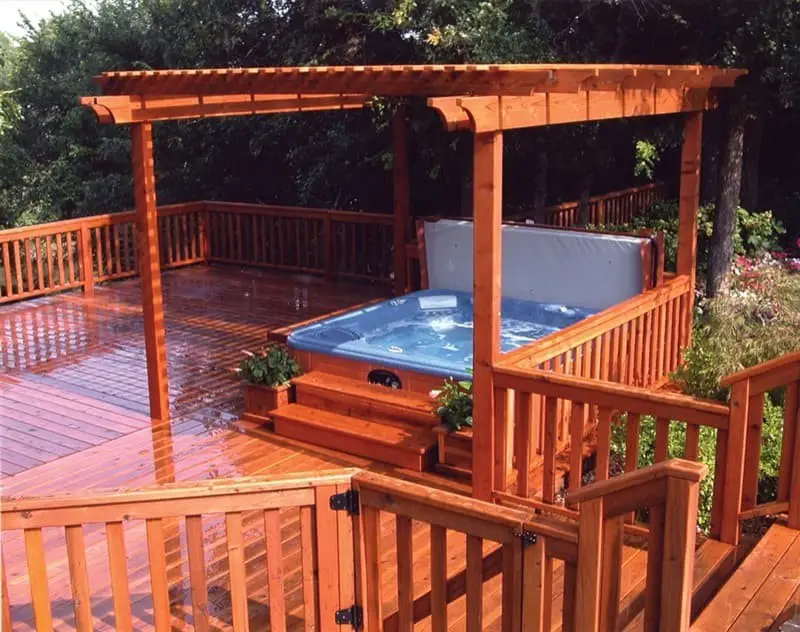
(257, 551)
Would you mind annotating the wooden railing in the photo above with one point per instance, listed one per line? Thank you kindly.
(555, 414)
(319, 241)
(669, 492)
(617, 207)
(331, 532)
(636, 342)
(542, 416)
(741, 461)
(256, 514)
(48, 258)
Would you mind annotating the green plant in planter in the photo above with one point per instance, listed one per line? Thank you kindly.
(271, 366)
(455, 404)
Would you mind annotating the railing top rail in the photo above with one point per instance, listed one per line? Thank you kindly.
(562, 341)
(470, 508)
(673, 468)
(299, 211)
(181, 490)
(771, 366)
(602, 196)
(617, 396)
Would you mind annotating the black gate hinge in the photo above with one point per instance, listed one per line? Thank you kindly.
(352, 616)
(346, 501)
(527, 537)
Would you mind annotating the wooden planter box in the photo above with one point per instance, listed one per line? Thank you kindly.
(259, 400)
(454, 451)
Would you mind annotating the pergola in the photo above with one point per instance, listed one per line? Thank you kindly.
(483, 99)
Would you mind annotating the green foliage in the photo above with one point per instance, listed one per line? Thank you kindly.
(754, 319)
(647, 157)
(455, 404)
(271, 366)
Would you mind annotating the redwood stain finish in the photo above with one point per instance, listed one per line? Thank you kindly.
(144, 193)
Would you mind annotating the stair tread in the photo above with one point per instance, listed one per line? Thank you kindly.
(344, 386)
(409, 437)
(755, 594)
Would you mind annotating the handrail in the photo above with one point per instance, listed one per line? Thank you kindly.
(760, 370)
(674, 468)
(670, 491)
(603, 393)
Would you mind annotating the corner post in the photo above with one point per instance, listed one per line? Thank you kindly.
(688, 203)
(144, 191)
(487, 269)
(400, 181)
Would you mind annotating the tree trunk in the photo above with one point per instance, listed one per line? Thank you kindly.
(540, 177)
(709, 170)
(753, 136)
(720, 249)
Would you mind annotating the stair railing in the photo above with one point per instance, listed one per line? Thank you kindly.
(669, 491)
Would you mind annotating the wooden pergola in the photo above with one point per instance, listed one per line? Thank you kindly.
(483, 99)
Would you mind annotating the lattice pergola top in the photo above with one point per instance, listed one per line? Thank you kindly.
(132, 96)
(421, 80)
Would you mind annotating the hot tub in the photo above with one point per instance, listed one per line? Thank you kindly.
(427, 332)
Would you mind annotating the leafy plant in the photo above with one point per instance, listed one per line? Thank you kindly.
(647, 156)
(455, 404)
(271, 366)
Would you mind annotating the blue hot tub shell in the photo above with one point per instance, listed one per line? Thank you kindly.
(429, 331)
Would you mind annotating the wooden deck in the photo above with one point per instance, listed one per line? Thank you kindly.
(73, 404)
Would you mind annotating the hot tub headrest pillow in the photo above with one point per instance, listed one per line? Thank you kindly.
(572, 268)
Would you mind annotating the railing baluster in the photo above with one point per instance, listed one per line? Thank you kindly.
(372, 556)
(752, 457)
(523, 420)
(576, 429)
(37, 574)
(29, 265)
(662, 439)
(48, 244)
(791, 420)
(275, 579)
(7, 271)
(79, 578)
(197, 572)
(474, 584)
(438, 578)
(156, 556)
(60, 259)
(6, 616)
(550, 435)
(308, 558)
(602, 457)
(236, 570)
(405, 578)
(692, 447)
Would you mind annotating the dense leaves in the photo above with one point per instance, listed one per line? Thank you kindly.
(57, 162)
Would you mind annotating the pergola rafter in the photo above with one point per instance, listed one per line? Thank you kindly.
(419, 80)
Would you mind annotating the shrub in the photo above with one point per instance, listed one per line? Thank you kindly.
(755, 318)
(271, 366)
(455, 404)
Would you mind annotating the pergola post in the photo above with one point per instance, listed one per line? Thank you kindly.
(487, 194)
(688, 202)
(144, 192)
(400, 181)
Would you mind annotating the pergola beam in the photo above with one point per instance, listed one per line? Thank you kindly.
(429, 80)
(486, 113)
(119, 109)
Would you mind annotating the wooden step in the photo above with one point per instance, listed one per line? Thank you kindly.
(763, 591)
(713, 562)
(360, 399)
(404, 445)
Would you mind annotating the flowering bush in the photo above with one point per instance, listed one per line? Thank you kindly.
(756, 317)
